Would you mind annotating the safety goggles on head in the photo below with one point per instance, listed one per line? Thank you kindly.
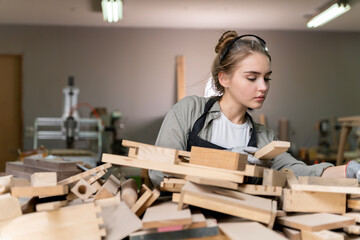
(248, 37)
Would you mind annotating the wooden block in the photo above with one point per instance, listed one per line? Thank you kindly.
(154, 196)
(96, 185)
(49, 206)
(260, 190)
(353, 203)
(321, 235)
(53, 165)
(352, 229)
(328, 189)
(129, 192)
(272, 150)
(274, 178)
(165, 214)
(177, 169)
(316, 222)
(120, 221)
(324, 181)
(218, 158)
(96, 177)
(290, 177)
(84, 174)
(83, 189)
(46, 191)
(248, 231)
(40, 179)
(180, 77)
(198, 220)
(109, 188)
(107, 202)
(172, 184)
(158, 154)
(9, 207)
(227, 201)
(176, 197)
(212, 182)
(145, 195)
(19, 182)
(6, 183)
(291, 234)
(299, 201)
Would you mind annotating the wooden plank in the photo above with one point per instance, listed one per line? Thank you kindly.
(324, 181)
(165, 214)
(46, 191)
(316, 222)
(290, 177)
(154, 196)
(145, 195)
(248, 231)
(291, 234)
(53, 165)
(273, 177)
(212, 182)
(49, 206)
(218, 158)
(321, 235)
(9, 207)
(177, 169)
(328, 189)
(133, 152)
(172, 184)
(227, 201)
(260, 190)
(96, 177)
(6, 183)
(83, 189)
(84, 174)
(299, 201)
(180, 77)
(107, 202)
(272, 150)
(198, 220)
(19, 182)
(40, 179)
(158, 154)
(353, 203)
(354, 215)
(129, 192)
(120, 221)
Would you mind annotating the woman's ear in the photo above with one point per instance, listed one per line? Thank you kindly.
(224, 79)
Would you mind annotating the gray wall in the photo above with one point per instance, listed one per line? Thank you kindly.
(316, 74)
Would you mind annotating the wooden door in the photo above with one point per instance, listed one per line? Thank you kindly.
(11, 111)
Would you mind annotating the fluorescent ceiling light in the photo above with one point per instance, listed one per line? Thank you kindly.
(328, 14)
(112, 10)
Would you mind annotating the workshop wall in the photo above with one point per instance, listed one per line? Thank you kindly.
(316, 74)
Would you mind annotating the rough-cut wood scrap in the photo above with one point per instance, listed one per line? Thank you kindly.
(83, 189)
(72, 222)
(291, 234)
(46, 191)
(353, 203)
(211, 229)
(260, 190)
(272, 150)
(218, 158)
(145, 195)
(316, 222)
(158, 154)
(273, 177)
(54, 165)
(172, 184)
(212, 182)
(321, 235)
(96, 177)
(84, 174)
(352, 229)
(299, 201)
(154, 196)
(40, 179)
(49, 206)
(165, 214)
(324, 181)
(227, 201)
(9, 207)
(129, 192)
(120, 221)
(290, 177)
(248, 231)
(234, 176)
(328, 189)
(6, 183)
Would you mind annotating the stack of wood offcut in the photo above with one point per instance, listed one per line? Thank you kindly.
(206, 194)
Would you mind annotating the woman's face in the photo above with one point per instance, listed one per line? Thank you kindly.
(249, 84)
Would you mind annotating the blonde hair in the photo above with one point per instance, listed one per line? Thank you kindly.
(238, 51)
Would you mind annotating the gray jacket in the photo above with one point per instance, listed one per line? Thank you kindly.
(179, 121)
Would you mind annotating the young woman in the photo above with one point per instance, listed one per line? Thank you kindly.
(241, 72)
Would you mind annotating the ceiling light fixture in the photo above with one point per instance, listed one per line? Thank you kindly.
(112, 10)
(331, 11)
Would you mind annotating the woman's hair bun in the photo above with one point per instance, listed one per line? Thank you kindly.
(224, 40)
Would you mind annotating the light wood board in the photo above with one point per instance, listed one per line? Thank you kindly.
(46, 191)
(272, 150)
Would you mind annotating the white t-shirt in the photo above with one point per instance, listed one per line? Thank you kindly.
(228, 135)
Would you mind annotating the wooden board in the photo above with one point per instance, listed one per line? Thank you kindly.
(212, 182)
(53, 165)
(72, 222)
(83, 189)
(321, 235)
(300, 201)
(154, 196)
(84, 174)
(180, 77)
(172, 184)
(353, 203)
(120, 221)
(9, 207)
(290, 177)
(260, 190)
(218, 158)
(273, 177)
(328, 189)
(159, 154)
(291, 234)
(40, 179)
(354, 215)
(96, 177)
(324, 181)
(248, 231)
(272, 150)
(165, 214)
(316, 222)
(145, 195)
(49, 206)
(230, 202)
(46, 191)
